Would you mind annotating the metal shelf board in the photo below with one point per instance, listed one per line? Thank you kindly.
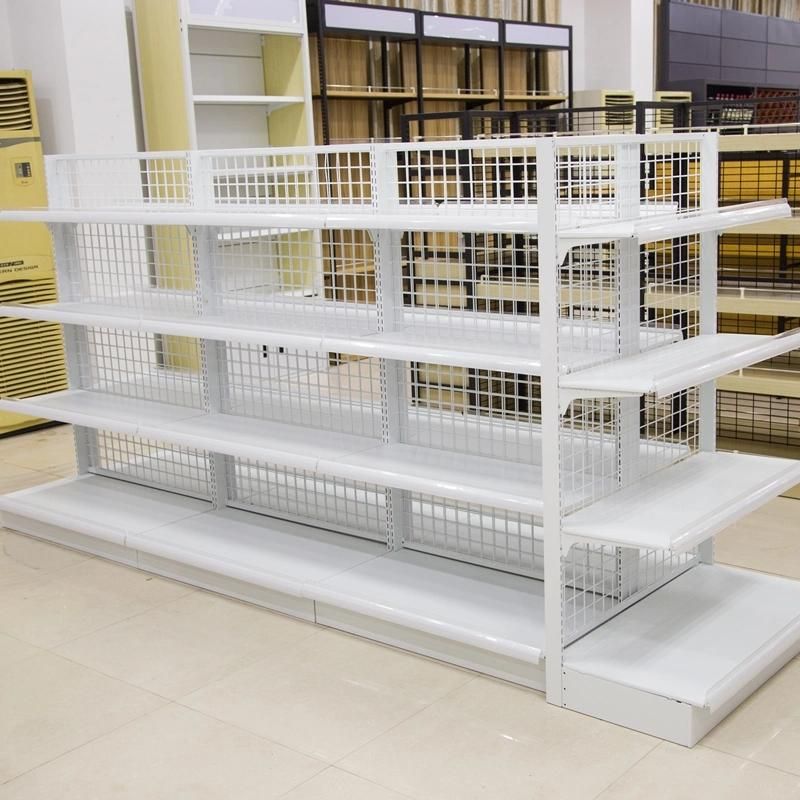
(450, 474)
(268, 102)
(481, 607)
(698, 640)
(683, 505)
(475, 606)
(454, 339)
(104, 508)
(690, 362)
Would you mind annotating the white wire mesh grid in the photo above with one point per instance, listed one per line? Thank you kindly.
(335, 503)
(161, 465)
(320, 390)
(132, 266)
(300, 177)
(476, 533)
(144, 366)
(602, 580)
(299, 280)
(161, 180)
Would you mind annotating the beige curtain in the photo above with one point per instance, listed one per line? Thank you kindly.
(789, 9)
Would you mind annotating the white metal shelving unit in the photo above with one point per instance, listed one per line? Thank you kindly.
(549, 521)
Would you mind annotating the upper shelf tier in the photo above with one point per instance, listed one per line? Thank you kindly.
(576, 223)
(679, 507)
(680, 365)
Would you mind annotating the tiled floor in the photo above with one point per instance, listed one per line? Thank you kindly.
(118, 684)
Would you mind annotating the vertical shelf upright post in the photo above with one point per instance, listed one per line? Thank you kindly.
(389, 302)
(549, 267)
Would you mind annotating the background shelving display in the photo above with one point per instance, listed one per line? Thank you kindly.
(223, 76)
(467, 520)
(373, 63)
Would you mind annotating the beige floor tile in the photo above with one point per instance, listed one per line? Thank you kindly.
(23, 558)
(335, 784)
(49, 705)
(679, 773)
(492, 740)
(13, 650)
(185, 644)
(766, 540)
(45, 450)
(60, 606)
(171, 754)
(766, 727)
(142, 587)
(328, 695)
(14, 478)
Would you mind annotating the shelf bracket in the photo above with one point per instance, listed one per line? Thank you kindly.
(566, 396)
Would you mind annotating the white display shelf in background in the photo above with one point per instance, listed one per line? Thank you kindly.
(268, 102)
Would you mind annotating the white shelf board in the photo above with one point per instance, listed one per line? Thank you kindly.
(103, 508)
(473, 605)
(268, 102)
(679, 507)
(450, 474)
(676, 366)
(452, 338)
(698, 640)
(472, 479)
(272, 553)
(476, 606)
(655, 227)
(99, 410)
(590, 222)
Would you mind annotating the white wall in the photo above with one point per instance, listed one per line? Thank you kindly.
(6, 56)
(613, 44)
(77, 51)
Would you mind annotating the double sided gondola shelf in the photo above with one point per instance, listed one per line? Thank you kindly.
(254, 430)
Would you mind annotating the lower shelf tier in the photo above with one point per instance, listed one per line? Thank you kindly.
(479, 617)
(673, 665)
(680, 660)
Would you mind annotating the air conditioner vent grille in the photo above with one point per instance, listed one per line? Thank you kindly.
(16, 113)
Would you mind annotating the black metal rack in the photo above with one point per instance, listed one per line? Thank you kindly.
(333, 18)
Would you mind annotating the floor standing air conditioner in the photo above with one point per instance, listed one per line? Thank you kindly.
(665, 117)
(621, 120)
(31, 352)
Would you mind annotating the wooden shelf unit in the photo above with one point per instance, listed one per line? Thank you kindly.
(223, 81)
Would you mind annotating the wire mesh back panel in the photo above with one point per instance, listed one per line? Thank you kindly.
(632, 299)
(138, 365)
(161, 465)
(142, 267)
(316, 390)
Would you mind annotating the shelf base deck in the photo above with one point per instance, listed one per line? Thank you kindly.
(677, 663)
(474, 617)
(673, 665)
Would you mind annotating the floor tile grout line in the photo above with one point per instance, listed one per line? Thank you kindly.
(614, 781)
(470, 679)
(700, 744)
(87, 742)
(207, 715)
